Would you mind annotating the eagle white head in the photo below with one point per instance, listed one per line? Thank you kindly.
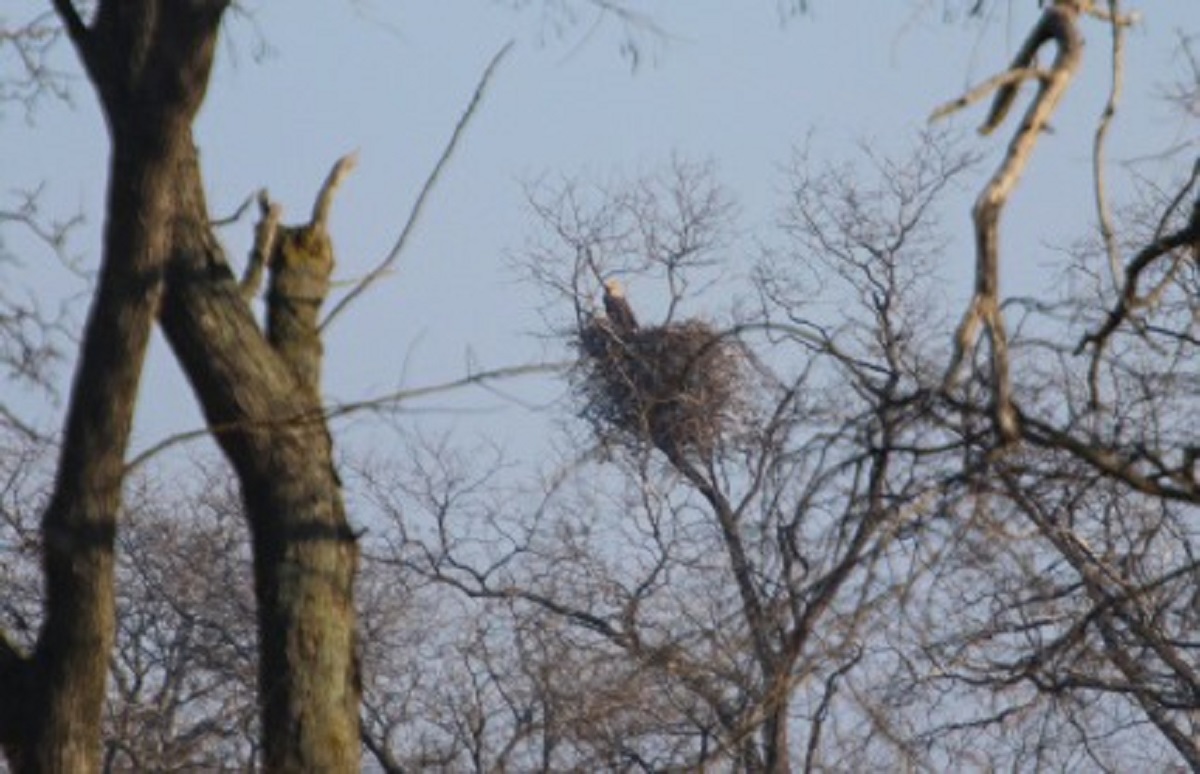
(617, 308)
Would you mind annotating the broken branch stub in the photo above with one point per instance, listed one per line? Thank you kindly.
(300, 261)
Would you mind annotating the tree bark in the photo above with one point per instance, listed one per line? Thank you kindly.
(261, 398)
(777, 757)
(149, 62)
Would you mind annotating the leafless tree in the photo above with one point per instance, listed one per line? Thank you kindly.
(881, 566)
(817, 530)
(1082, 565)
(182, 671)
(680, 606)
(182, 691)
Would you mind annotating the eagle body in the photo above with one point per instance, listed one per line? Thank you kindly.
(620, 314)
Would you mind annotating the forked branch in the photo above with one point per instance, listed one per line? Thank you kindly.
(1057, 24)
(414, 214)
(1174, 246)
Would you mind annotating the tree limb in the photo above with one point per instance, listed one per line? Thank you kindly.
(80, 35)
(392, 400)
(1058, 24)
(265, 233)
(1103, 211)
(324, 202)
(414, 214)
(1188, 236)
(1002, 80)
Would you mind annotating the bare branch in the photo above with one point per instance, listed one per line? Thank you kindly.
(72, 21)
(324, 202)
(388, 402)
(265, 234)
(1108, 462)
(1186, 238)
(414, 215)
(1007, 78)
(1058, 24)
(1103, 212)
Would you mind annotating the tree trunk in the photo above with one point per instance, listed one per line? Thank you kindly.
(70, 663)
(150, 68)
(775, 740)
(263, 404)
(150, 62)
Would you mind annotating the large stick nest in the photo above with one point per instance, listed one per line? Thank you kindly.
(676, 386)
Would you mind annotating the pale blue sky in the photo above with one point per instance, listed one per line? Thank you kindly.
(730, 83)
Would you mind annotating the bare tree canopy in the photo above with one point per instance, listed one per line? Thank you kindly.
(800, 506)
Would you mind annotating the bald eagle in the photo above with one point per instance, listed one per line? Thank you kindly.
(618, 309)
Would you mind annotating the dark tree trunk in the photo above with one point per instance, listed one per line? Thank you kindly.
(262, 400)
(150, 61)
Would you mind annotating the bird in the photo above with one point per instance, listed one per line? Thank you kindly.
(617, 307)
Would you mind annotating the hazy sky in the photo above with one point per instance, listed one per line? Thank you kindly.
(728, 82)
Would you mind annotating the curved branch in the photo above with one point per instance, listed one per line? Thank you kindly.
(324, 202)
(414, 215)
(1057, 24)
(338, 410)
(1188, 236)
(1103, 210)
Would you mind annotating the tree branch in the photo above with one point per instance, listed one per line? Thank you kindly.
(265, 233)
(1107, 462)
(80, 35)
(391, 400)
(418, 207)
(324, 202)
(1188, 236)
(1058, 24)
(1103, 211)
(1002, 80)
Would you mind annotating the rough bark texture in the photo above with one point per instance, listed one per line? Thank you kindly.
(261, 397)
(300, 268)
(149, 62)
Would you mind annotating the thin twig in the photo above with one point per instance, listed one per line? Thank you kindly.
(414, 215)
(1103, 212)
(390, 401)
(1186, 237)
(476, 379)
(237, 214)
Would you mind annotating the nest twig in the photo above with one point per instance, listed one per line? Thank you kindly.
(674, 386)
